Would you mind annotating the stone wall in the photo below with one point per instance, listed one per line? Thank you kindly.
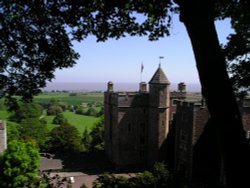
(191, 119)
(3, 136)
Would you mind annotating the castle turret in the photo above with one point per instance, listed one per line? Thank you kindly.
(159, 89)
(182, 87)
(159, 92)
(143, 87)
(110, 87)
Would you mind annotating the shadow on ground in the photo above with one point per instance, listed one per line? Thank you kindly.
(88, 163)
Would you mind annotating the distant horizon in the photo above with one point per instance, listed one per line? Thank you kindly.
(121, 60)
(102, 86)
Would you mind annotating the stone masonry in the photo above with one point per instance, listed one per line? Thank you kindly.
(3, 136)
(137, 123)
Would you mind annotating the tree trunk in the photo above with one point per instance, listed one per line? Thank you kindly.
(198, 19)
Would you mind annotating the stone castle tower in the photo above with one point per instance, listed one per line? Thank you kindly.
(137, 123)
(159, 96)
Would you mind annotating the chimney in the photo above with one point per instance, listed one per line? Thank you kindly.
(143, 87)
(110, 87)
(182, 87)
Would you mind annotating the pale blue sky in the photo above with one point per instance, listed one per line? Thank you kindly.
(120, 60)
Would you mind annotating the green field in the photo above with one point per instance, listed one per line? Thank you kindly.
(4, 115)
(79, 121)
(66, 98)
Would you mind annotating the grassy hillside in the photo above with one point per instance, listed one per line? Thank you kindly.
(79, 121)
(4, 115)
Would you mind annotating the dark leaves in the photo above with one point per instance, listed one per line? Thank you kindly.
(33, 44)
(36, 36)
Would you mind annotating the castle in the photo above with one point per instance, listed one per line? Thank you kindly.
(139, 125)
(191, 132)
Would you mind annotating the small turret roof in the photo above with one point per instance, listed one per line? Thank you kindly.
(159, 77)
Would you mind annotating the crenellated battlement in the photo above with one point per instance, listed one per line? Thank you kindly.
(126, 99)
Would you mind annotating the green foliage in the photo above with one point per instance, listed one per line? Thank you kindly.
(91, 112)
(64, 98)
(34, 43)
(110, 180)
(65, 138)
(30, 124)
(86, 140)
(94, 140)
(237, 49)
(158, 177)
(54, 110)
(34, 129)
(60, 119)
(41, 43)
(19, 164)
(97, 135)
(13, 131)
(25, 111)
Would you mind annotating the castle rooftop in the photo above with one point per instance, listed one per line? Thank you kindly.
(159, 77)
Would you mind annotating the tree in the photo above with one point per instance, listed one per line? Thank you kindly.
(60, 119)
(86, 140)
(159, 176)
(13, 131)
(211, 66)
(33, 44)
(47, 20)
(91, 111)
(65, 138)
(97, 135)
(237, 49)
(27, 110)
(19, 165)
(54, 110)
(34, 129)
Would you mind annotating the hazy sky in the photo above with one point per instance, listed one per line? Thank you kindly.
(120, 60)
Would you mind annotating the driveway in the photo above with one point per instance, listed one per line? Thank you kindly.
(77, 168)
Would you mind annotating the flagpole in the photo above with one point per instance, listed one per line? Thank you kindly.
(142, 67)
(160, 57)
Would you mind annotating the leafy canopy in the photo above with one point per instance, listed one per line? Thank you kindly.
(36, 36)
(19, 165)
(237, 49)
(65, 138)
(33, 43)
